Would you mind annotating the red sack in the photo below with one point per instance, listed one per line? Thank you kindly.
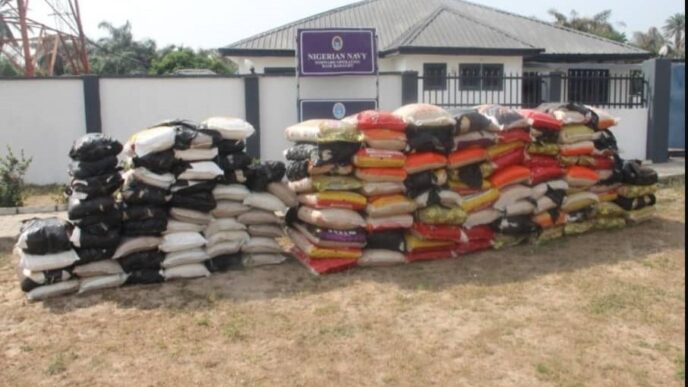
(430, 255)
(437, 232)
(542, 174)
(602, 162)
(540, 120)
(473, 246)
(323, 266)
(371, 119)
(468, 156)
(532, 161)
(478, 233)
(510, 175)
(514, 135)
(514, 157)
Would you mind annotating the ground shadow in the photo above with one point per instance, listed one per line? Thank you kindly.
(491, 268)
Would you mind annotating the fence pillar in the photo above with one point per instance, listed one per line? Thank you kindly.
(92, 103)
(555, 86)
(409, 87)
(252, 101)
(658, 75)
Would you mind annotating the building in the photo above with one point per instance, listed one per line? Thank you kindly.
(440, 38)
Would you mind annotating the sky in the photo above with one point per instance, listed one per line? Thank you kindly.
(217, 23)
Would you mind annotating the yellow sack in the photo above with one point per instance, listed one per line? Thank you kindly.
(480, 200)
(413, 243)
(636, 191)
(441, 215)
(500, 149)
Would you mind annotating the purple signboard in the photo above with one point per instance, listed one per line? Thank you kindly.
(333, 109)
(341, 51)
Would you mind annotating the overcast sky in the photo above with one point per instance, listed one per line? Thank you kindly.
(217, 23)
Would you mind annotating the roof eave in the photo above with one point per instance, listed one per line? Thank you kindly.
(255, 52)
(573, 58)
(461, 51)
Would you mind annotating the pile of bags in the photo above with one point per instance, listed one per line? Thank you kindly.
(182, 201)
(422, 183)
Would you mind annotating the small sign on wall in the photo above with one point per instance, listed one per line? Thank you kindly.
(333, 109)
(342, 51)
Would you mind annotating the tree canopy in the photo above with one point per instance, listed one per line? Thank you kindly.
(597, 24)
(675, 31)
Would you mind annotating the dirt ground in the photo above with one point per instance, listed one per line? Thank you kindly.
(601, 309)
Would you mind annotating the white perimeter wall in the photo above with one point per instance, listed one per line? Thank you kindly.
(129, 105)
(42, 117)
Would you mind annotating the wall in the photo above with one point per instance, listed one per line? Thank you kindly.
(131, 104)
(42, 117)
(631, 132)
(677, 110)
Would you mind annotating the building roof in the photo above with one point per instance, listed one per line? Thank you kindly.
(444, 27)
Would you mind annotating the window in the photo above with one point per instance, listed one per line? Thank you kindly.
(637, 82)
(588, 86)
(532, 89)
(475, 76)
(435, 76)
(280, 70)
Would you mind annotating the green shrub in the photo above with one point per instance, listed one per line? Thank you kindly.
(12, 171)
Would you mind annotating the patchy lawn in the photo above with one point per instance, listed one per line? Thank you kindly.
(601, 309)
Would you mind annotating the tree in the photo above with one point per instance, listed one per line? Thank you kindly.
(119, 53)
(651, 41)
(174, 58)
(598, 24)
(6, 68)
(675, 28)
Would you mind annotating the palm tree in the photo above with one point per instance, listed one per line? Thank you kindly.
(652, 40)
(675, 28)
(119, 53)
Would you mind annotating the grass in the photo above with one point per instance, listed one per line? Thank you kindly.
(598, 309)
(40, 195)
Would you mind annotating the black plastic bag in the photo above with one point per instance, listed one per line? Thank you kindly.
(92, 187)
(338, 152)
(48, 278)
(93, 147)
(470, 120)
(183, 136)
(199, 201)
(297, 170)
(100, 229)
(387, 240)
(86, 169)
(187, 187)
(301, 152)
(146, 227)
(632, 204)
(45, 236)
(606, 141)
(556, 195)
(471, 175)
(137, 193)
(259, 176)
(224, 263)
(160, 162)
(145, 260)
(94, 254)
(144, 277)
(636, 174)
(130, 213)
(78, 209)
(418, 183)
(94, 241)
(426, 139)
(516, 225)
(111, 218)
(581, 215)
(226, 147)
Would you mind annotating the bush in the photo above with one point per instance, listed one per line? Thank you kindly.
(12, 171)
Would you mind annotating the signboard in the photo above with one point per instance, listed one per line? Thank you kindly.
(341, 51)
(310, 109)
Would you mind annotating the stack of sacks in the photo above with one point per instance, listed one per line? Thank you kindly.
(576, 148)
(547, 175)
(327, 230)
(381, 166)
(636, 196)
(191, 202)
(511, 201)
(46, 258)
(93, 211)
(435, 231)
(149, 157)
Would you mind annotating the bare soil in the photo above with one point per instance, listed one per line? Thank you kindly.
(605, 308)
